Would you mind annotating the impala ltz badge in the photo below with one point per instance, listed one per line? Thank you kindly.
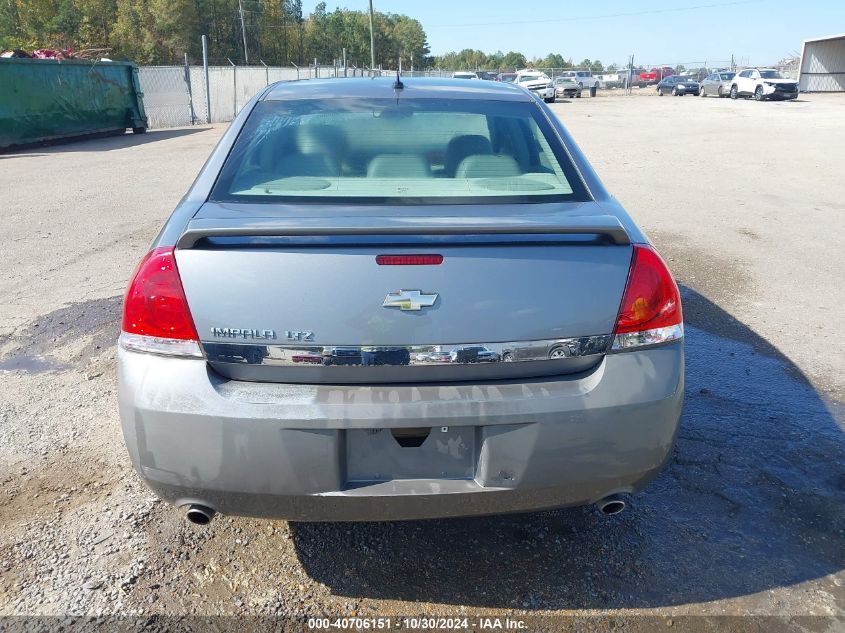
(409, 300)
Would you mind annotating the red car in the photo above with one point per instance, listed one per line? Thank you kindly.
(307, 357)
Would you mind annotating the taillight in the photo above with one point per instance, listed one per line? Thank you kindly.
(651, 306)
(156, 318)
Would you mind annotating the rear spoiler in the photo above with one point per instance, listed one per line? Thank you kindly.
(607, 226)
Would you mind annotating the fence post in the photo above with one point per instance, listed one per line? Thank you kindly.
(190, 92)
(266, 73)
(316, 69)
(345, 67)
(297, 70)
(234, 88)
(207, 87)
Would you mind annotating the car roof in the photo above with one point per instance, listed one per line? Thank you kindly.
(382, 87)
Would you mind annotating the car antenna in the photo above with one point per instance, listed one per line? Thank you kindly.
(398, 85)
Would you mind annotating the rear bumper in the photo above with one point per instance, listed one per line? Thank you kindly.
(287, 451)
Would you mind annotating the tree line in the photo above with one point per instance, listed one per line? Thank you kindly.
(469, 59)
(277, 32)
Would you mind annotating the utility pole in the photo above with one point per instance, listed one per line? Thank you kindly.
(372, 39)
(243, 31)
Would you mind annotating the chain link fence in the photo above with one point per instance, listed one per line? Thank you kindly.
(175, 96)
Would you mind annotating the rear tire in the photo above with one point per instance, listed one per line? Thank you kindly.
(139, 130)
(559, 352)
(758, 94)
(549, 100)
(659, 92)
(507, 357)
(721, 92)
(734, 92)
(701, 92)
(674, 92)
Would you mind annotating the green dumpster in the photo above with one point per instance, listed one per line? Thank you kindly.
(44, 99)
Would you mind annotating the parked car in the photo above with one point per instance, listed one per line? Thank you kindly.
(677, 86)
(506, 77)
(717, 84)
(474, 354)
(584, 78)
(464, 74)
(520, 242)
(566, 87)
(763, 83)
(306, 357)
(536, 82)
(440, 357)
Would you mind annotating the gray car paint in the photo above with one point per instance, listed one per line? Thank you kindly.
(280, 450)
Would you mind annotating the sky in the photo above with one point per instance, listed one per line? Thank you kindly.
(654, 31)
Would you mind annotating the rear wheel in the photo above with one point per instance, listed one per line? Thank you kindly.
(758, 94)
(721, 94)
(674, 92)
(139, 130)
(701, 92)
(507, 357)
(659, 92)
(549, 99)
(559, 352)
(734, 92)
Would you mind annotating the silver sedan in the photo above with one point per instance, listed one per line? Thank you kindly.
(717, 84)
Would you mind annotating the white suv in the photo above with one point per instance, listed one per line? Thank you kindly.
(583, 78)
(763, 83)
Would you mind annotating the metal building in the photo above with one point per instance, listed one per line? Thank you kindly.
(823, 64)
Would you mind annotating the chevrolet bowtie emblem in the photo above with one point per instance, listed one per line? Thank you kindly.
(409, 300)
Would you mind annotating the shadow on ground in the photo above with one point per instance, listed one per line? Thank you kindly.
(98, 143)
(753, 499)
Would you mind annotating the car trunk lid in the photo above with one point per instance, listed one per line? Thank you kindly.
(265, 291)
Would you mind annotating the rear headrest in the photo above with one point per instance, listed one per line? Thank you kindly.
(398, 166)
(275, 145)
(328, 140)
(488, 166)
(462, 146)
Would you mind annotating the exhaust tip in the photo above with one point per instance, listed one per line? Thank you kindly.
(611, 505)
(200, 515)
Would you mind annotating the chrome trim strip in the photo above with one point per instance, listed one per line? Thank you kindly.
(293, 355)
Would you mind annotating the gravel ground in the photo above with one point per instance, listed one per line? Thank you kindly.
(746, 200)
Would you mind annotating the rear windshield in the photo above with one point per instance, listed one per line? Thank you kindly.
(411, 151)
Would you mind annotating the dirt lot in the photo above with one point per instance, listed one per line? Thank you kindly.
(746, 200)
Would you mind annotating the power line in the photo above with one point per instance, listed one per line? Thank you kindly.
(600, 17)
